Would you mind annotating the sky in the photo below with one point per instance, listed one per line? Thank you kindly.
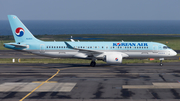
(91, 9)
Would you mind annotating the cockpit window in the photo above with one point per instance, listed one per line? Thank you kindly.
(166, 47)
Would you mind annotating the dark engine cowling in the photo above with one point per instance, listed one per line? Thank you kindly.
(112, 58)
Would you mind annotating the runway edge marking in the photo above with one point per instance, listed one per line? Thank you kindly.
(40, 85)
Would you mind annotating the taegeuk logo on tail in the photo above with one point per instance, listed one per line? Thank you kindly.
(19, 32)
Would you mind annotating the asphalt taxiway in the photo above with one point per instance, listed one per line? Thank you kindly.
(79, 82)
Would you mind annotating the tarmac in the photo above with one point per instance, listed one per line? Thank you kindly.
(80, 82)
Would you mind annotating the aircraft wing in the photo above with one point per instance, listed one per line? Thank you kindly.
(83, 50)
(91, 51)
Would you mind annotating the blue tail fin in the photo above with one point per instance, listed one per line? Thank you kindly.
(19, 30)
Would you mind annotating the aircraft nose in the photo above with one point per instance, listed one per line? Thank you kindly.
(173, 53)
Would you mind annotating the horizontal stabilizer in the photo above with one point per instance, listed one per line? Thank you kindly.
(13, 45)
(19, 46)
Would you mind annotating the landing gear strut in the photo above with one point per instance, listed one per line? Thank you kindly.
(161, 64)
(93, 64)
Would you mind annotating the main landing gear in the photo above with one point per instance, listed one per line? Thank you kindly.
(93, 64)
(161, 64)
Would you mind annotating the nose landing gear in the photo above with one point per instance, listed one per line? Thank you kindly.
(161, 64)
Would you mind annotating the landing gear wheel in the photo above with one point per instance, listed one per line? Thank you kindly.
(161, 64)
(93, 64)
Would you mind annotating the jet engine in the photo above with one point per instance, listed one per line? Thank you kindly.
(113, 58)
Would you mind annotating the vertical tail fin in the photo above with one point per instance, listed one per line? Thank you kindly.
(19, 30)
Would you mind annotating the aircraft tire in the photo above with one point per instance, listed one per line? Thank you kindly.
(93, 64)
(161, 64)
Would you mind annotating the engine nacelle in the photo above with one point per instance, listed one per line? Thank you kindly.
(113, 58)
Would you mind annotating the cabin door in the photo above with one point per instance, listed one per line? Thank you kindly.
(155, 48)
(42, 48)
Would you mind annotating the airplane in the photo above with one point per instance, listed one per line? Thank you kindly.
(110, 52)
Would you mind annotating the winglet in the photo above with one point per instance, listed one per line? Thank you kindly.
(68, 45)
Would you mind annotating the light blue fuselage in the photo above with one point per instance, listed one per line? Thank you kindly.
(132, 49)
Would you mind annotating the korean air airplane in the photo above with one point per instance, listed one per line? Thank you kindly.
(110, 52)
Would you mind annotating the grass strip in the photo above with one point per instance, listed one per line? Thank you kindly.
(75, 61)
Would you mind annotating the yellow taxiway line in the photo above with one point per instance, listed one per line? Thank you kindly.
(39, 85)
(44, 81)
